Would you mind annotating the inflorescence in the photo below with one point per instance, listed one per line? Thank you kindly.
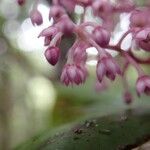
(74, 71)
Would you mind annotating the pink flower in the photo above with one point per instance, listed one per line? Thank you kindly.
(143, 39)
(73, 74)
(52, 55)
(143, 85)
(21, 2)
(101, 36)
(127, 97)
(107, 66)
(140, 18)
(36, 17)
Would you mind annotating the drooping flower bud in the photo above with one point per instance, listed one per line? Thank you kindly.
(127, 97)
(142, 39)
(21, 2)
(73, 74)
(36, 17)
(139, 18)
(107, 66)
(101, 36)
(52, 55)
(143, 85)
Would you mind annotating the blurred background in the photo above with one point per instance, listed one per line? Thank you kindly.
(32, 99)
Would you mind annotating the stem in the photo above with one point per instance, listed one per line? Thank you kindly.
(35, 5)
(114, 47)
(93, 43)
(134, 63)
(125, 67)
(128, 56)
(124, 79)
(138, 60)
(70, 52)
(123, 37)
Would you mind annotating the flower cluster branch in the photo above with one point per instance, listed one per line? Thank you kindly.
(75, 72)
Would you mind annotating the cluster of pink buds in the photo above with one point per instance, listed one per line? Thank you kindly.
(73, 74)
(99, 36)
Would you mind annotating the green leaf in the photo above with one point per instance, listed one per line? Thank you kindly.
(119, 131)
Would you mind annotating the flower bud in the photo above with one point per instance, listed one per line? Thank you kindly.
(127, 97)
(142, 39)
(101, 36)
(107, 66)
(139, 19)
(73, 74)
(143, 85)
(21, 2)
(52, 55)
(36, 17)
